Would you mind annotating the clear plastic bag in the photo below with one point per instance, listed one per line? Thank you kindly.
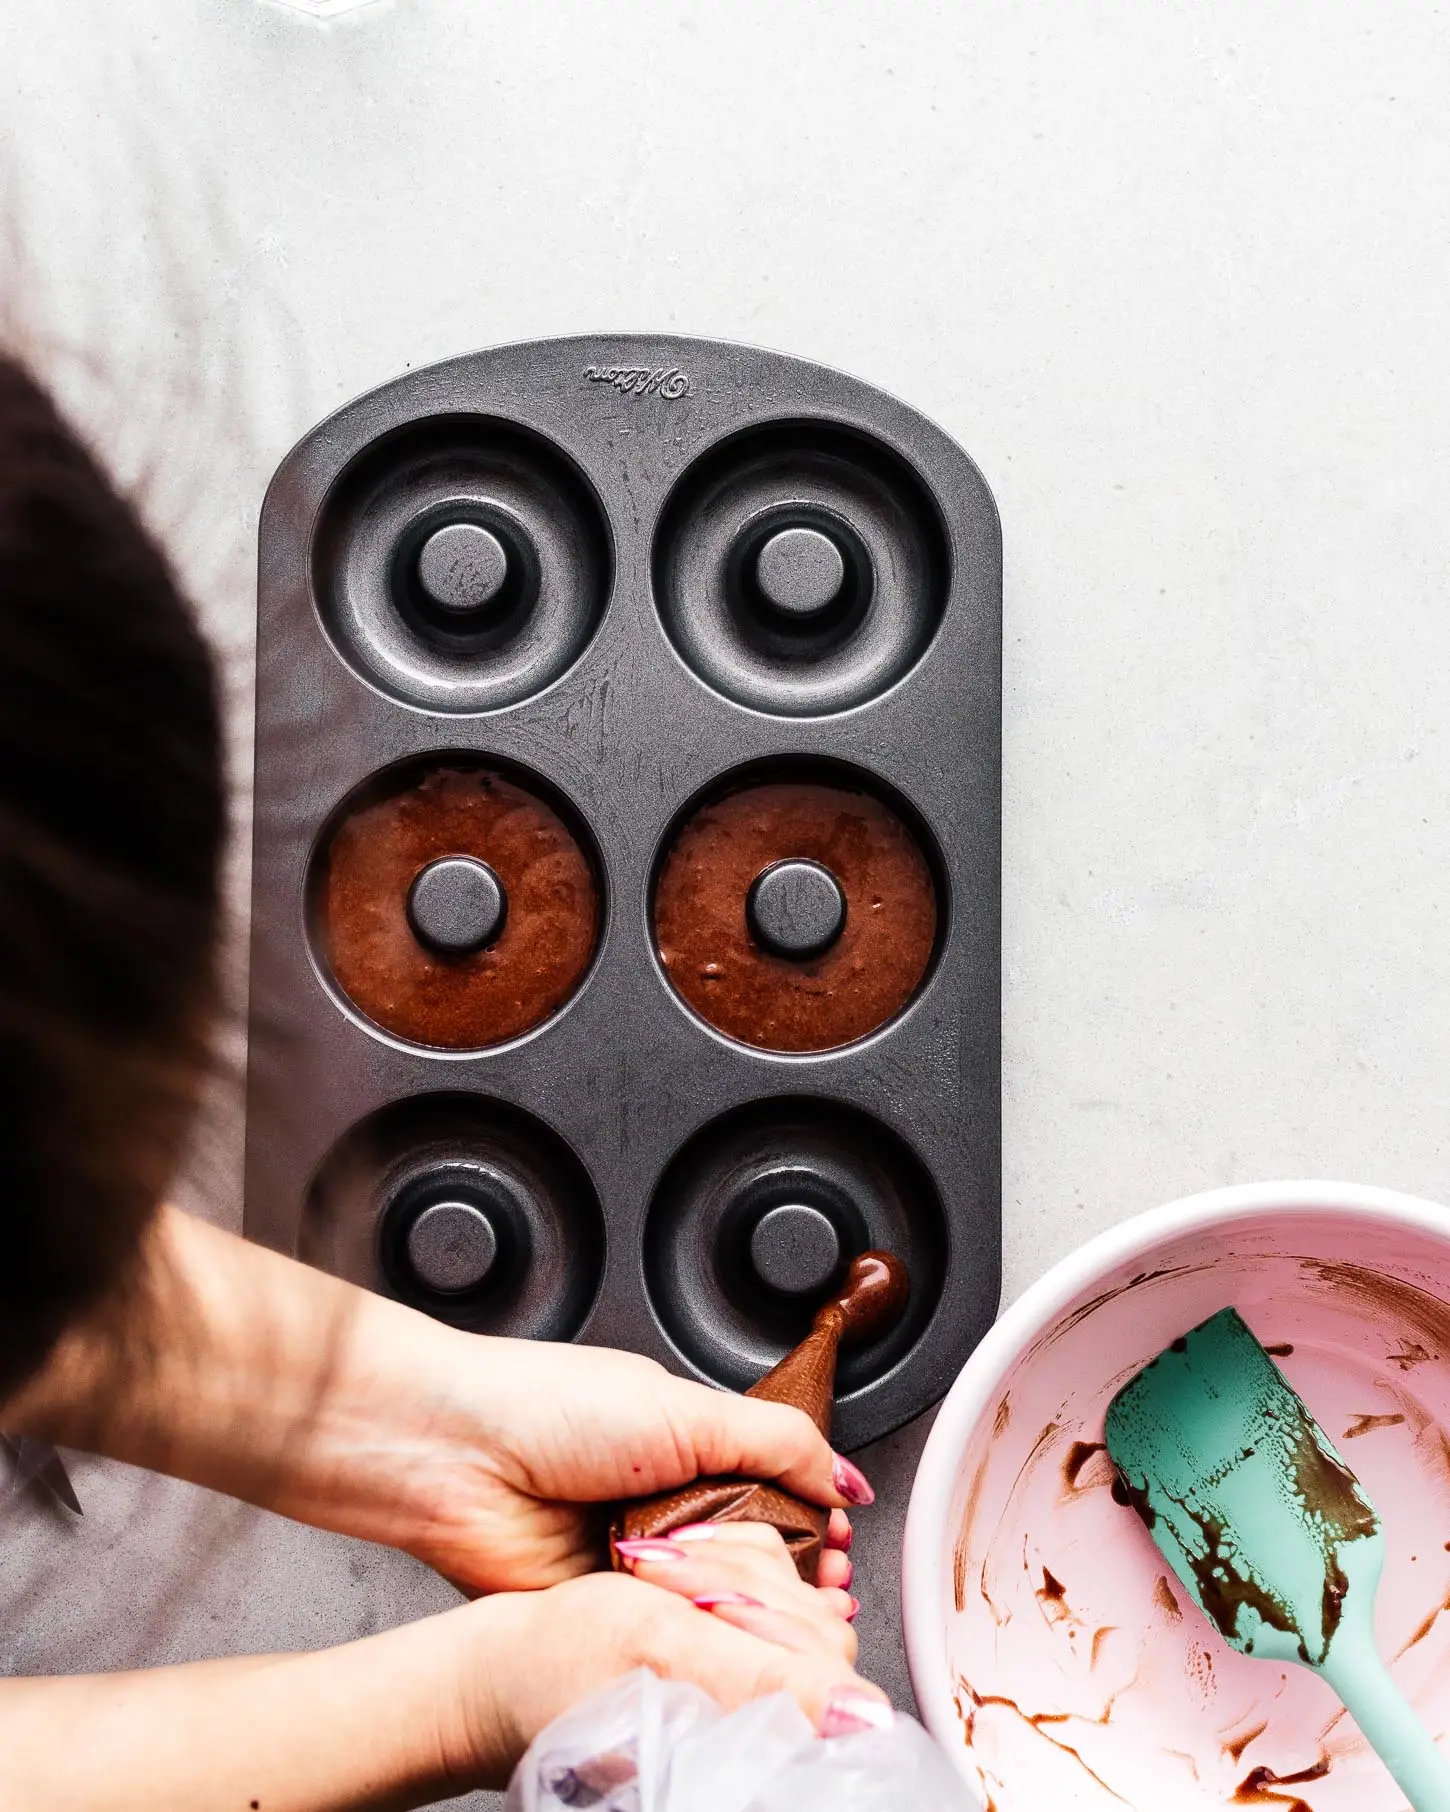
(647, 1745)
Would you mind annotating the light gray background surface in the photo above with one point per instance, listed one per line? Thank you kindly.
(1176, 275)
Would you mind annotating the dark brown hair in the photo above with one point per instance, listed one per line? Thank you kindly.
(112, 819)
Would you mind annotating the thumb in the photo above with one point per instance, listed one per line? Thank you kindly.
(768, 1441)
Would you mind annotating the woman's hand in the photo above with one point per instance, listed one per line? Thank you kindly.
(743, 1573)
(721, 1606)
(489, 1459)
(532, 1437)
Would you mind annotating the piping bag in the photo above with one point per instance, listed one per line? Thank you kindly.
(869, 1302)
(651, 1745)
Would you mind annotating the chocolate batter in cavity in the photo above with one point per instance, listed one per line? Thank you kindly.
(466, 1001)
(780, 1003)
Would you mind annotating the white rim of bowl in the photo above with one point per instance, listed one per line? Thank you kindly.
(923, 1572)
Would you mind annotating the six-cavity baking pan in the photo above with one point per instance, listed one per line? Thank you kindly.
(625, 915)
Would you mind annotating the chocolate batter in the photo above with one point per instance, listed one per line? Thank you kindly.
(485, 996)
(779, 1003)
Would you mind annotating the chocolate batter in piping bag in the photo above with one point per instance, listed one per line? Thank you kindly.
(870, 1301)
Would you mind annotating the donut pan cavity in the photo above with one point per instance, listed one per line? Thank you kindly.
(532, 625)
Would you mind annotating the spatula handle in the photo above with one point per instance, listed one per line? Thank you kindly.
(1388, 1723)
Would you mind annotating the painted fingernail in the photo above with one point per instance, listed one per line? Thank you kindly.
(850, 1575)
(709, 1601)
(849, 1712)
(851, 1482)
(695, 1532)
(657, 1551)
(854, 1611)
(842, 1546)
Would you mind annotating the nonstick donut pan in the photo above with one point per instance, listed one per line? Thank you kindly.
(626, 866)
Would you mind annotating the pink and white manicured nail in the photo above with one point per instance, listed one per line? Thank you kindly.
(855, 1610)
(849, 1713)
(695, 1532)
(851, 1482)
(657, 1552)
(711, 1601)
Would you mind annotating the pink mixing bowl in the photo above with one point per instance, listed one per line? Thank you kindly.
(1053, 1655)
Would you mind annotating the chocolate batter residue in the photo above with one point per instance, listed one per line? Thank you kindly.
(1078, 1456)
(1038, 1720)
(1131, 1498)
(1330, 1492)
(1367, 1424)
(962, 1547)
(1240, 1743)
(1425, 1627)
(1395, 1302)
(1327, 1488)
(1253, 1789)
(464, 1002)
(1052, 1596)
(1224, 1588)
(777, 1003)
(1281, 1350)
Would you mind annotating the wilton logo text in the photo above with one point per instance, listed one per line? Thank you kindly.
(668, 382)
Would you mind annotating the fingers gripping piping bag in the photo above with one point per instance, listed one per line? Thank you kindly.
(871, 1299)
(646, 1745)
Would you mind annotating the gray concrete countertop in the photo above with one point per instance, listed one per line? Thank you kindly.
(1175, 276)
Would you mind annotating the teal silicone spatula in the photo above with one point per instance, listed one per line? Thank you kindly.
(1267, 1527)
